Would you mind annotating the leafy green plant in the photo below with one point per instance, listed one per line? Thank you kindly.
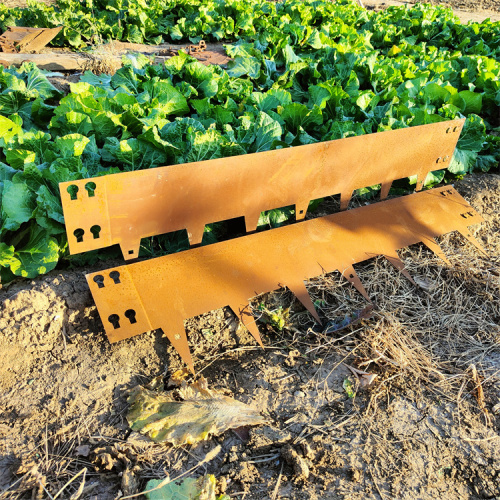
(277, 318)
(303, 71)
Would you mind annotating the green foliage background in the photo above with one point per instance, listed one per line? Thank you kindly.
(303, 71)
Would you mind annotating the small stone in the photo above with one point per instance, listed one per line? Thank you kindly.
(299, 394)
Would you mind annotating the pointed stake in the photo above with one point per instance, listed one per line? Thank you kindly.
(474, 241)
(431, 244)
(384, 190)
(180, 342)
(396, 262)
(350, 275)
(246, 317)
(300, 291)
(345, 198)
(195, 235)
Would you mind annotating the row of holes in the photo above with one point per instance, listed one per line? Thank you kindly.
(114, 319)
(95, 230)
(114, 275)
(73, 190)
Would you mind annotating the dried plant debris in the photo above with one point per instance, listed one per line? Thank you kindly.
(190, 488)
(186, 414)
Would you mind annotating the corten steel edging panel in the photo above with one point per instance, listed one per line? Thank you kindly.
(129, 206)
(163, 292)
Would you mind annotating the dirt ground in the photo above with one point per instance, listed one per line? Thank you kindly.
(422, 430)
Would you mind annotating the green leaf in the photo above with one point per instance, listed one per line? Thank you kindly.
(8, 130)
(72, 144)
(299, 115)
(241, 66)
(473, 101)
(18, 205)
(267, 131)
(38, 255)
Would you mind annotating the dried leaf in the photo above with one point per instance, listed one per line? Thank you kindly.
(201, 412)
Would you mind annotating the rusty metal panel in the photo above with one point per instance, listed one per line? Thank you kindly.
(21, 39)
(163, 292)
(123, 208)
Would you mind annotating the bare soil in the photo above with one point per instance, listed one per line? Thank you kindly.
(422, 430)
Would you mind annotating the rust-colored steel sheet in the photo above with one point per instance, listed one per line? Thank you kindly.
(21, 39)
(163, 292)
(123, 208)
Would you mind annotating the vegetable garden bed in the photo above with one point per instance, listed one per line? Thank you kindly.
(302, 72)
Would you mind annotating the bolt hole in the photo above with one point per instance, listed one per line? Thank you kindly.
(114, 319)
(79, 234)
(130, 315)
(73, 191)
(99, 279)
(95, 230)
(351, 276)
(301, 212)
(131, 252)
(115, 276)
(90, 187)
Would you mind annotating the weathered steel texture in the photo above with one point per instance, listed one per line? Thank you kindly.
(21, 39)
(123, 208)
(163, 292)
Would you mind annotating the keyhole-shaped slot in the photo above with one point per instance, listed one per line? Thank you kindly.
(79, 234)
(73, 191)
(130, 315)
(95, 230)
(115, 276)
(114, 319)
(90, 187)
(99, 279)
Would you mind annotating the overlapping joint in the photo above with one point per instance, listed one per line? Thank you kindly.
(163, 292)
(123, 208)
(27, 40)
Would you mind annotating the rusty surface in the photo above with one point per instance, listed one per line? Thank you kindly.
(26, 40)
(123, 208)
(163, 292)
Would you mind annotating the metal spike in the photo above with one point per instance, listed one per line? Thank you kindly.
(178, 339)
(398, 264)
(300, 291)
(468, 236)
(244, 314)
(434, 247)
(350, 275)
